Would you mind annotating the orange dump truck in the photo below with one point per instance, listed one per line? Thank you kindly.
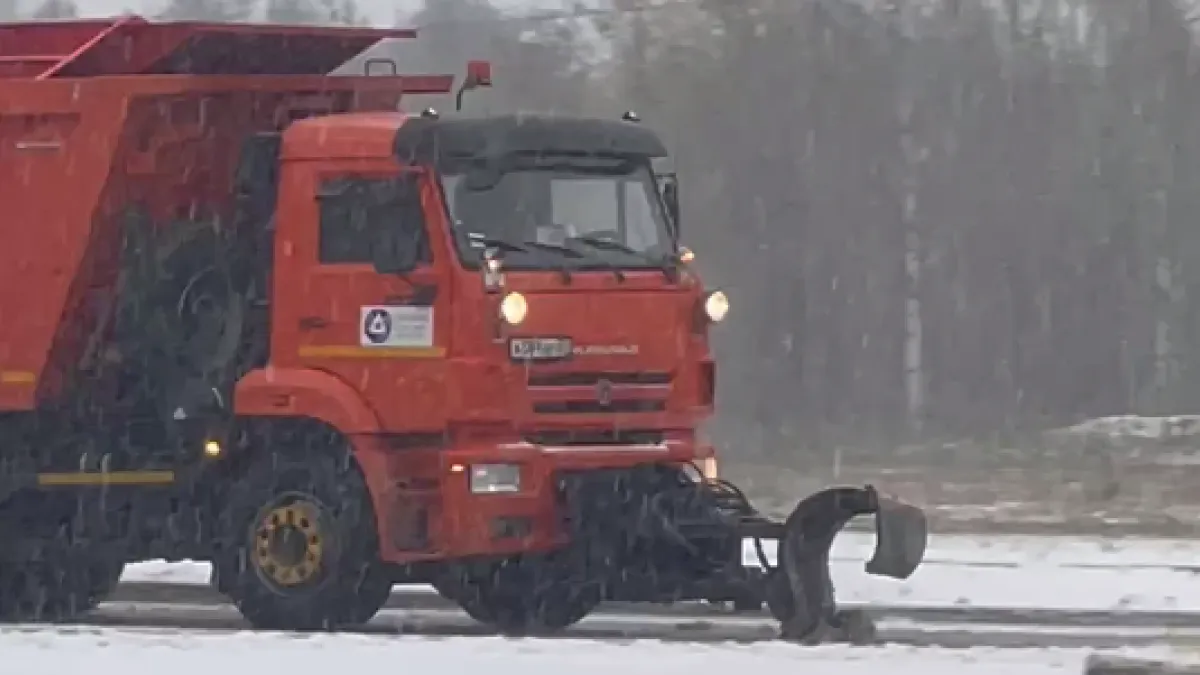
(252, 314)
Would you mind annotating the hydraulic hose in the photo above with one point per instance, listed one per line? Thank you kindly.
(735, 500)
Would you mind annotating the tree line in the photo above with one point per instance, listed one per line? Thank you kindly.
(938, 219)
(935, 219)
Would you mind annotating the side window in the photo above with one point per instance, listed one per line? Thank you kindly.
(357, 214)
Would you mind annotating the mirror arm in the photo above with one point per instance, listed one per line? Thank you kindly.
(670, 195)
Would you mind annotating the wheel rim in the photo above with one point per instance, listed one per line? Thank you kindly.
(289, 543)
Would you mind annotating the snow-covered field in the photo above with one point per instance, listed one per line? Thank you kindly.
(995, 572)
(1031, 572)
(152, 651)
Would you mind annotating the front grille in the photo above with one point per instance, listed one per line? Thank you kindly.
(563, 407)
(599, 392)
(592, 379)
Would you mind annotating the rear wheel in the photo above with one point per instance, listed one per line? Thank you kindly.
(301, 548)
(103, 577)
(58, 589)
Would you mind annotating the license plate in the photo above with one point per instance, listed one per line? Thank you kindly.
(539, 349)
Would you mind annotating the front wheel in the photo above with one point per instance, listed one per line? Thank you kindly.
(302, 551)
(528, 596)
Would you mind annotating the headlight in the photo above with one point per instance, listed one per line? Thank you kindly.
(716, 306)
(513, 308)
(494, 478)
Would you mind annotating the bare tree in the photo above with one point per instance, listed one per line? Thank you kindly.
(56, 9)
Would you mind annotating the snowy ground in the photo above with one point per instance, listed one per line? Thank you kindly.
(996, 572)
(151, 651)
(965, 572)
(1031, 572)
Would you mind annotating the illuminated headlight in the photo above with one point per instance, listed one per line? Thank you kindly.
(495, 478)
(716, 306)
(708, 468)
(513, 308)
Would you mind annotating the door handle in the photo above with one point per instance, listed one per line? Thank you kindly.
(313, 322)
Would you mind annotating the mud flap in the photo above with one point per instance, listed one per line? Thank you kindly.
(799, 592)
(901, 535)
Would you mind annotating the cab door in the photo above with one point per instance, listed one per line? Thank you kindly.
(382, 328)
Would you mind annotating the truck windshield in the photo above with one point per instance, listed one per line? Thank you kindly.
(549, 215)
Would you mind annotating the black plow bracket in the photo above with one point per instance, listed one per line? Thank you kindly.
(799, 591)
(901, 535)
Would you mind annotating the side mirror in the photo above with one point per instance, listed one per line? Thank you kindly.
(670, 193)
(479, 74)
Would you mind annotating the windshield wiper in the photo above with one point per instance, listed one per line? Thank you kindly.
(502, 244)
(564, 251)
(662, 263)
(557, 248)
(512, 247)
(620, 276)
(598, 242)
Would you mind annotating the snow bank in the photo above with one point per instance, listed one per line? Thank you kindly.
(1129, 427)
(1027, 573)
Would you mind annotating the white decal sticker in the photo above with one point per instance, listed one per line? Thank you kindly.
(396, 326)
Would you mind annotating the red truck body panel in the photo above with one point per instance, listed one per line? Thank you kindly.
(98, 117)
(132, 46)
(101, 120)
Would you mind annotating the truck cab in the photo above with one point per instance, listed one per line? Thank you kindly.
(506, 299)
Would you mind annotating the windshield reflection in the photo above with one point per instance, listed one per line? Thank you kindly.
(611, 215)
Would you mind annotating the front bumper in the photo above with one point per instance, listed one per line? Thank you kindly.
(531, 519)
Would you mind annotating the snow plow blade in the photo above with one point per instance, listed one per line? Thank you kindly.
(901, 535)
(799, 592)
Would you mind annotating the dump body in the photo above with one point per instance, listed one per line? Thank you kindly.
(103, 120)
